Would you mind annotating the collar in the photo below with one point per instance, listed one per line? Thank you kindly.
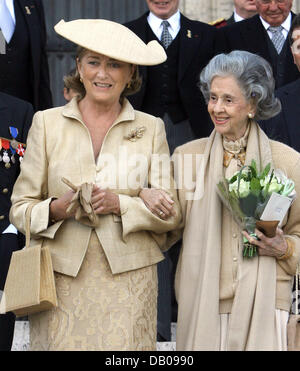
(235, 149)
(10, 7)
(237, 17)
(155, 24)
(71, 110)
(286, 24)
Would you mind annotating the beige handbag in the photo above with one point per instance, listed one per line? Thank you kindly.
(293, 326)
(30, 285)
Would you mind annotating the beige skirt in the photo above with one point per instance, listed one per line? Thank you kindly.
(98, 310)
(281, 320)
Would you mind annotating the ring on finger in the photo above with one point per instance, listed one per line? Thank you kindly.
(161, 213)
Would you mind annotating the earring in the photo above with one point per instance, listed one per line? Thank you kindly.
(129, 85)
(250, 115)
(81, 80)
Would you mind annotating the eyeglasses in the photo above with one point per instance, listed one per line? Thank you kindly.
(267, 2)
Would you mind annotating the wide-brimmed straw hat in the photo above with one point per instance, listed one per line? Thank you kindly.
(113, 40)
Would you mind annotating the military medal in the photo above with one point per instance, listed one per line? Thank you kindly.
(6, 159)
(14, 133)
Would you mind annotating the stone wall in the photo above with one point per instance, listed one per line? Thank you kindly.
(209, 10)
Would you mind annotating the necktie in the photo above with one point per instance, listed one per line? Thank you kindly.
(166, 38)
(7, 23)
(277, 37)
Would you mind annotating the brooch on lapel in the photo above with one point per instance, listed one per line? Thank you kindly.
(10, 147)
(189, 34)
(136, 133)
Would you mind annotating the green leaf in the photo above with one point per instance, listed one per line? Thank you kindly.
(266, 171)
(255, 186)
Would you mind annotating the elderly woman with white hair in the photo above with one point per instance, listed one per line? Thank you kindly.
(227, 302)
(85, 165)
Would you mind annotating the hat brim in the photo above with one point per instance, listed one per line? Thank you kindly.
(113, 40)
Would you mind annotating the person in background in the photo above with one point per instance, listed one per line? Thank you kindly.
(15, 117)
(265, 34)
(71, 86)
(24, 71)
(170, 91)
(243, 9)
(222, 300)
(86, 165)
(285, 126)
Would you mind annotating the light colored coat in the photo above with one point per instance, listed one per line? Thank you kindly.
(264, 283)
(59, 145)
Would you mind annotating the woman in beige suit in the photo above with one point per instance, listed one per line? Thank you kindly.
(86, 164)
(227, 302)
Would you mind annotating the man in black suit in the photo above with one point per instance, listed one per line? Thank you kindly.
(172, 87)
(15, 120)
(171, 91)
(285, 127)
(243, 9)
(255, 36)
(24, 71)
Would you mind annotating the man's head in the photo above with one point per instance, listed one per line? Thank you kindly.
(294, 38)
(163, 9)
(245, 8)
(274, 12)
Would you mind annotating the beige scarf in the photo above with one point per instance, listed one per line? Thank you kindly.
(252, 324)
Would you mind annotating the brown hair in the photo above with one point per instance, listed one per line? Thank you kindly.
(75, 83)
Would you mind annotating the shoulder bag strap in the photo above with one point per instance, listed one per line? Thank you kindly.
(27, 222)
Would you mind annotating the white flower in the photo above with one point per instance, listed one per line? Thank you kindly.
(275, 185)
(244, 188)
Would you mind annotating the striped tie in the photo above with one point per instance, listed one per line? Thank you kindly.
(277, 37)
(166, 38)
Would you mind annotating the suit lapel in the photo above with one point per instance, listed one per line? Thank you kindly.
(5, 118)
(292, 112)
(189, 45)
(29, 13)
(255, 36)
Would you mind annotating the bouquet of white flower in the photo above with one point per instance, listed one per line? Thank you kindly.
(257, 200)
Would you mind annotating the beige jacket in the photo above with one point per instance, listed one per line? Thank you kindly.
(284, 158)
(59, 145)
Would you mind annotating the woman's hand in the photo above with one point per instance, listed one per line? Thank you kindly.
(158, 202)
(269, 246)
(105, 201)
(58, 207)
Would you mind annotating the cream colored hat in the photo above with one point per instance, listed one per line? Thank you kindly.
(113, 40)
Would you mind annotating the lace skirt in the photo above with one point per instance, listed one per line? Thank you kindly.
(98, 310)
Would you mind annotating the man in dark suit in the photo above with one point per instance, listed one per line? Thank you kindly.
(172, 87)
(15, 120)
(171, 91)
(24, 71)
(255, 35)
(243, 9)
(285, 127)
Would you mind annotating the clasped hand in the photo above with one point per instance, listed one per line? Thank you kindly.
(103, 202)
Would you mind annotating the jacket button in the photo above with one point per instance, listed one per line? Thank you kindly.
(5, 190)
(2, 217)
(234, 235)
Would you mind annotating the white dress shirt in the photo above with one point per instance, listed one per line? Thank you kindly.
(7, 27)
(155, 24)
(237, 17)
(286, 26)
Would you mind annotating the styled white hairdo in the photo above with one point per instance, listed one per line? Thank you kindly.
(254, 76)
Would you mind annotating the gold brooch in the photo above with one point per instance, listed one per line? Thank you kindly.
(135, 133)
